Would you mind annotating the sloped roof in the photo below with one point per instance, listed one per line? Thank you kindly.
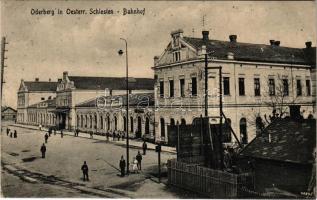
(141, 99)
(291, 141)
(51, 103)
(4, 108)
(116, 83)
(40, 86)
(255, 52)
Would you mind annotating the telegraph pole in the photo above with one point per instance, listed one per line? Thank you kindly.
(3, 50)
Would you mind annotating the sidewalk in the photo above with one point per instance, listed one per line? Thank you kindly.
(132, 142)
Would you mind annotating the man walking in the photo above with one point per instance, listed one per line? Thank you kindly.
(49, 132)
(46, 138)
(139, 159)
(62, 134)
(122, 166)
(8, 131)
(84, 168)
(144, 147)
(107, 135)
(43, 150)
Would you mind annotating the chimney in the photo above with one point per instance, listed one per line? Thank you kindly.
(272, 42)
(156, 58)
(233, 38)
(277, 43)
(177, 33)
(308, 44)
(59, 80)
(37, 79)
(65, 75)
(205, 35)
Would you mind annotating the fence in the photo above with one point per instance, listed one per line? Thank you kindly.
(209, 182)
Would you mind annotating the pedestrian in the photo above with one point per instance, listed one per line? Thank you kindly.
(62, 134)
(40, 127)
(91, 134)
(135, 166)
(144, 147)
(46, 137)
(11, 134)
(49, 132)
(122, 136)
(43, 150)
(84, 168)
(15, 134)
(122, 166)
(107, 135)
(77, 132)
(54, 131)
(119, 135)
(8, 131)
(113, 135)
(139, 159)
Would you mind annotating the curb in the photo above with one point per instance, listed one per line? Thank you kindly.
(120, 144)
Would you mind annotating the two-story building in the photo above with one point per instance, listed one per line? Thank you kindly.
(72, 90)
(31, 92)
(256, 79)
(42, 113)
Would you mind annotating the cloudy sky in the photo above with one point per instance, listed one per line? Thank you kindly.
(44, 46)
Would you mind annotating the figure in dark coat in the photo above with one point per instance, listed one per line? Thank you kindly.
(62, 134)
(43, 150)
(46, 138)
(84, 168)
(107, 135)
(49, 132)
(15, 134)
(8, 131)
(139, 159)
(144, 147)
(122, 166)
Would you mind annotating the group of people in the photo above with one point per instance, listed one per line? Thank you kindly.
(13, 134)
(136, 163)
(115, 134)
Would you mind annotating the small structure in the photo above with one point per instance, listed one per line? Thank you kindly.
(8, 114)
(281, 157)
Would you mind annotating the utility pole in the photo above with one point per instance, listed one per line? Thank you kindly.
(3, 50)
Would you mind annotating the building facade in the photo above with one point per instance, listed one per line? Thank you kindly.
(72, 90)
(256, 79)
(31, 92)
(42, 113)
(108, 114)
(8, 114)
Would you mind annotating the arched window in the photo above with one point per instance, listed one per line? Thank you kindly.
(183, 121)
(172, 122)
(243, 131)
(227, 131)
(139, 125)
(95, 122)
(78, 120)
(86, 121)
(147, 126)
(162, 127)
(108, 123)
(101, 122)
(258, 125)
(115, 123)
(131, 124)
(90, 121)
(81, 121)
(124, 123)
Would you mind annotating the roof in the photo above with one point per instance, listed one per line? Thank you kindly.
(41, 86)
(51, 103)
(255, 52)
(116, 83)
(291, 141)
(140, 99)
(4, 108)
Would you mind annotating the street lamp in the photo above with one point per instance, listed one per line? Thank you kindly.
(120, 52)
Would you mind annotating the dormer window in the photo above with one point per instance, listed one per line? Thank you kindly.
(176, 56)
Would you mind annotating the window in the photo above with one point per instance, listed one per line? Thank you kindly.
(271, 87)
(241, 87)
(147, 126)
(171, 88)
(285, 87)
(124, 123)
(226, 134)
(182, 87)
(257, 87)
(194, 86)
(259, 125)
(226, 86)
(177, 56)
(131, 124)
(308, 92)
(161, 88)
(172, 122)
(298, 88)
(115, 123)
(243, 131)
(183, 121)
(162, 127)
(95, 122)
(42, 98)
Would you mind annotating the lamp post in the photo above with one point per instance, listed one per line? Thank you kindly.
(120, 52)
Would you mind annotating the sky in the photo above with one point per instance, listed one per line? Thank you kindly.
(43, 46)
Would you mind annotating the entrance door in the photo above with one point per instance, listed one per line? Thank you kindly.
(62, 122)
